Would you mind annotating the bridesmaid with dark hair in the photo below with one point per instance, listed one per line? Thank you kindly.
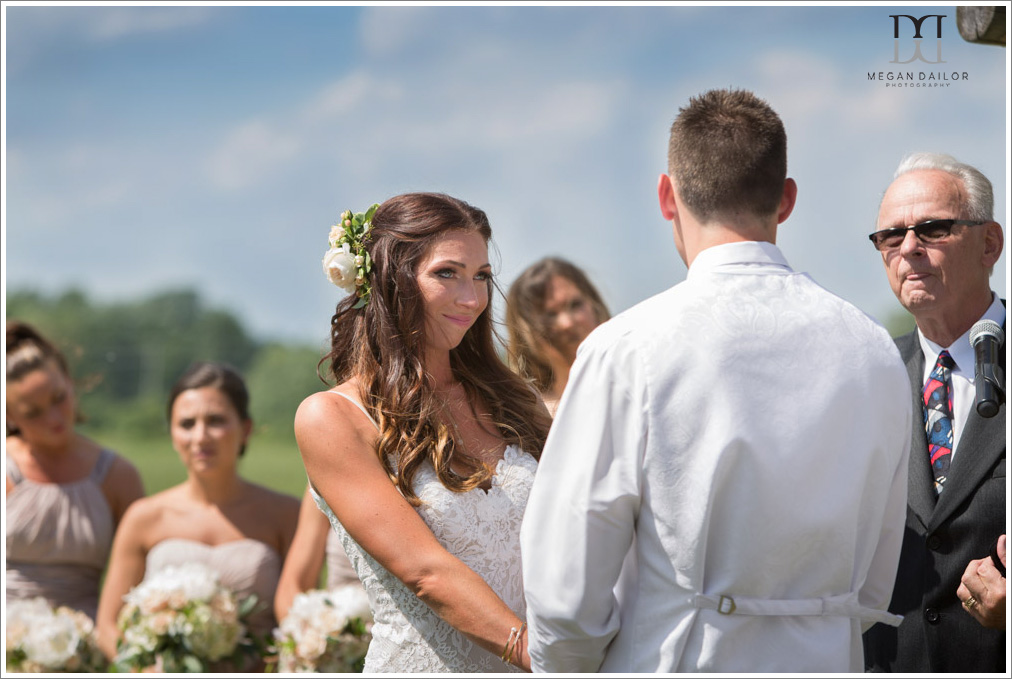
(65, 493)
(240, 529)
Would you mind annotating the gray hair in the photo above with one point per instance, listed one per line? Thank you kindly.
(979, 204)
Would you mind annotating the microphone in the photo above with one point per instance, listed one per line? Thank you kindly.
(986, 338)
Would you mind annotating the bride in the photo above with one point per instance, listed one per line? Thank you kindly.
(423, 454)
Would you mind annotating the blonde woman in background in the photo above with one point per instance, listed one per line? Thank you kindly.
(551, 307)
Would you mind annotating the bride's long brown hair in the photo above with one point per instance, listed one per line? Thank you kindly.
(383, 344)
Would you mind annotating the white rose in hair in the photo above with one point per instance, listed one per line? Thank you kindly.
(339, 266)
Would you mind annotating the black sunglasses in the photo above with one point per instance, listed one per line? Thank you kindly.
(931, 231)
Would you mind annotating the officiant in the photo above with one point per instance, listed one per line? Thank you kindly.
(939, 242)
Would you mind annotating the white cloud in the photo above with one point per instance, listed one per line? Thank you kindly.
(554, 120)
(810, 89)
(377, 120)
(42, 31)
(359, 91)
(80, 179)
(111, 24)
(14, 161)
(385, 32)
(552, 112)
(257, 151)
(249, 155)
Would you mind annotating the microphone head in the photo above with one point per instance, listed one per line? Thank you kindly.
(984, 328)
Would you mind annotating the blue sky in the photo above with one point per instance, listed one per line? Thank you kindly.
(211, 147)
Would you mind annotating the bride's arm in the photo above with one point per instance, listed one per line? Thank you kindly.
(337, 443)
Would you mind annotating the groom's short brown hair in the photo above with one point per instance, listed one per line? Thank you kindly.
(728, 154)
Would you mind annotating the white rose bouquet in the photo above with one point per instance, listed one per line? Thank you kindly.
(182, 620)
(43, 639)
(325, 631)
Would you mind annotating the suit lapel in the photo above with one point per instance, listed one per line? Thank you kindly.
(981, 445)
(921, 486)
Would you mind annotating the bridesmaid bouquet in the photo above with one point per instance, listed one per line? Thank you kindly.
(182, 620)
(325, 631)
(43, 639)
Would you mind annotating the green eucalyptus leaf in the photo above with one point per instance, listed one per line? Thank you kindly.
(192, 663)
(247, 605)
(356, 626)
(117, 667)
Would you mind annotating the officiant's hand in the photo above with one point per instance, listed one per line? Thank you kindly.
(982, 590)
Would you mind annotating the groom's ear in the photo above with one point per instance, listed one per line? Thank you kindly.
(787, 200)
(666, 197)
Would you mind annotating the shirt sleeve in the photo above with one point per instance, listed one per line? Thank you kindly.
(581, 515)
(876, 592)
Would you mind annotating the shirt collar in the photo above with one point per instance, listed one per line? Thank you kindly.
(743, 253)
(961, 350)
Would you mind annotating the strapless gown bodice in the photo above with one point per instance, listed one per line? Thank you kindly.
(245, 566)
(480, 528)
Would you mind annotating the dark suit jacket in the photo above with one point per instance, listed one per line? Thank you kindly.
(941, 537)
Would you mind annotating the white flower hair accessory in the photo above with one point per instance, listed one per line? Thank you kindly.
(347, 263)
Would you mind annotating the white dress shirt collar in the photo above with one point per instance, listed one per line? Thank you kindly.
(740, 254)
(960, 350)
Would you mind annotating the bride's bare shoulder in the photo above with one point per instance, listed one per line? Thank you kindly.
(335, 407)
(336, 438)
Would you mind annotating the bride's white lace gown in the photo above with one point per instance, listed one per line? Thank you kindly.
(482, 530)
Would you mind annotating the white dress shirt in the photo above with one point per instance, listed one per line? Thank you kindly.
(737, 441)
(964, 390)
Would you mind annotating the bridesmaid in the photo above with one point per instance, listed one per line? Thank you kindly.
(550, 308)
(65, 493)
(241, 529)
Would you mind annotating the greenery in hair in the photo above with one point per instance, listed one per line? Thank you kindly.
(347, 263)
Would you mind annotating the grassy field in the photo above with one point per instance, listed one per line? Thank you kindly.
(270, 460)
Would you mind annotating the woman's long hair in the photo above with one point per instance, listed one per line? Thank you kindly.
(383, 345)
(529, 331)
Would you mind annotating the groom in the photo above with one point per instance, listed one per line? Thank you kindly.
(724, 486)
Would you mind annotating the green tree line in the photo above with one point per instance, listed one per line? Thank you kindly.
(124, 356)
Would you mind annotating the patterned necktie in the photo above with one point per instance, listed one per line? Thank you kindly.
(938, 418)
